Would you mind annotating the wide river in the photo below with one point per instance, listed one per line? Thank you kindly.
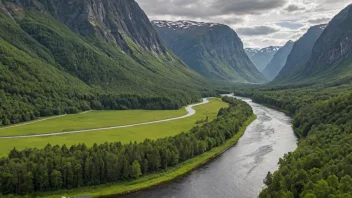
(239, 172)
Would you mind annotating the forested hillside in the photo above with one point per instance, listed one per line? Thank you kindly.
(59, 167)
(321, 166)
(60, 57)
(322, 116)
(213, 50)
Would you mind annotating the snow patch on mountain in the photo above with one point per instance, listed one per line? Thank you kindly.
(323, 26)
(251, 51)
(182, 24)
(270, 49)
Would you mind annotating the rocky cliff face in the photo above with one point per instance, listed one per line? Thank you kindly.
(334, 46)
(108, 44)
(115, 21)
(300, 55)
(278, 62)
(261, 57)
(213, 50)
(326, 59)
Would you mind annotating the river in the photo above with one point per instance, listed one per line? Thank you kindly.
(239, 172)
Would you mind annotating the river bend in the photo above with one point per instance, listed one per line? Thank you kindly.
(239, 172)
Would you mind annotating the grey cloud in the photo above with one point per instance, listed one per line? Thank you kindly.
(269, 15)
(257, 30)
(247, 6)
(290, 24)
(294, 8)
(296, 36)
(208, 8)
(229, 20)
(319, 20)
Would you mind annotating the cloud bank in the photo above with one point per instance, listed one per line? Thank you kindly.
(259, 23)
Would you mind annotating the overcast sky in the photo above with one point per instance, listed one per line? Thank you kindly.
(259, 23)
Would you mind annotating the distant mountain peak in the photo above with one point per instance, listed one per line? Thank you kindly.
(261, 57)
(251, 51)
(270, 49)
(278, 61)
(183, 24)
(213, 50)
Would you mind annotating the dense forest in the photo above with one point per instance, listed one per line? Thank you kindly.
(321, 167)
(48, 67)
(61, 167)
(32, 87)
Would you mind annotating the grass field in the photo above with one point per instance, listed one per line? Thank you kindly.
(124, 135)
(89, 120)
(153, 179)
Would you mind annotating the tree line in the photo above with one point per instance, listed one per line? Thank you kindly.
(60, 167)
(14, 110)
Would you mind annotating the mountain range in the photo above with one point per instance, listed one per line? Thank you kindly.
(299, 56)
(261, 57)
(213, 50)
(278, 61)
(322, 55)
(62, 57)
(331, 55)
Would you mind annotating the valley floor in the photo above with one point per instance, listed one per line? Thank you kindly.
(100, 119)
(154, 179)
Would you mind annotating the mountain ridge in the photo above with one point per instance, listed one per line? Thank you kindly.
(261, 57)
(331, 54)
(300, 55)
(278, 61)
(73, 63)
(213, 50)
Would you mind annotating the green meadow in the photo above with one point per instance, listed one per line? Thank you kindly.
(98, 119)
(89, 120)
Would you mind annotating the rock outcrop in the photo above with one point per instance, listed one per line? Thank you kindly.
(213, 50)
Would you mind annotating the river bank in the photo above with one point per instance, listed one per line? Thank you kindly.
(239, 172)
(155, 179)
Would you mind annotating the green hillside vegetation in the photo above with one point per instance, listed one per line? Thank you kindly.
(319, 99)
(48, 69)
(62, 167)
(321, 166)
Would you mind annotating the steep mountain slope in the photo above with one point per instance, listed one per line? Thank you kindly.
(111, 32)
(67, 56)
(213, 50)
(279, 60)
(300, 54)
(331, 55)
(260, 58)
